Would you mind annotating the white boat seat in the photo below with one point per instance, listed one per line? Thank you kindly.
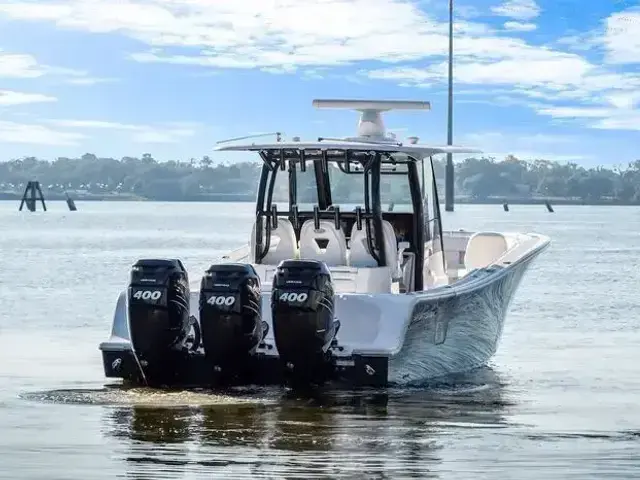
(334, 252)
(360, 254)
(483, 249)
(282, 245)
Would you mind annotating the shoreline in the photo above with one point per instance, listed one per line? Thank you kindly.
(246, 198)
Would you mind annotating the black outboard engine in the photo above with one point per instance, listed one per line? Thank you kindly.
(302, 309)
(230, 316)
(158, 312)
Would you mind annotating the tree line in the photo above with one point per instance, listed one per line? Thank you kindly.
(477, 179)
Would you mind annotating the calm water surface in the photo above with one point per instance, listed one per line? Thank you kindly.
(561, 399)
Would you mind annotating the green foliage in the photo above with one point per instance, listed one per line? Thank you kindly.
(478, 179)
(143, 177)
(483, 178)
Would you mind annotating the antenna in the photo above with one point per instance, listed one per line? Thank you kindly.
(371, 123)
(277, 134)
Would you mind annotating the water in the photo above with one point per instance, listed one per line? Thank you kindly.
(559, 400)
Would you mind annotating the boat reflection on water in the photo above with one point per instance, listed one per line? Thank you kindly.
(325, 434)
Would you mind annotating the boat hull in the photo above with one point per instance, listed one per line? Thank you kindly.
(397, 339)
(460, 332)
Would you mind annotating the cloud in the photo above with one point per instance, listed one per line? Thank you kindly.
(90, 80)
(93, 124)
(526, 147)
(520, 26)
(12, 132)
(603, 98)
(522, 65)
(161, 136)
(617, 38)
(18, 65)
(518, 9)
(604, 118)
(256, 33)
(67, 132)
(280, 38)
(627, 101)
(621, 38)
(77, 77)
(403, 44)
(543, 75)
(9, 98)
(167, 133)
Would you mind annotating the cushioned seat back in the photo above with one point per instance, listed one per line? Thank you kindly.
(360, 256)
(282, 245)
(483, 249)
(327, 243)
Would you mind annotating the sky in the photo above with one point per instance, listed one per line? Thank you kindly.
(552, 79)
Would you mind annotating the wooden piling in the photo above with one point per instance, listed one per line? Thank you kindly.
(32, 193)
(70, 203)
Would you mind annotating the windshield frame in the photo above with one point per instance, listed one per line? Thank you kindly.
(373, 165)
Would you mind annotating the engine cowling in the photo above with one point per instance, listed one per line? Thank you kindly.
(230, 315)
(158, 304)
(302, 309)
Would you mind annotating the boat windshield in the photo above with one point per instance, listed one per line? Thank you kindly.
(350, 187)
(347, 189)
(306, 190)
(335, 182)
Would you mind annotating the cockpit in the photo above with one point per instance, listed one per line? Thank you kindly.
(360, 212)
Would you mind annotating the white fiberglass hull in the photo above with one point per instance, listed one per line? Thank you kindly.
(443, 330)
